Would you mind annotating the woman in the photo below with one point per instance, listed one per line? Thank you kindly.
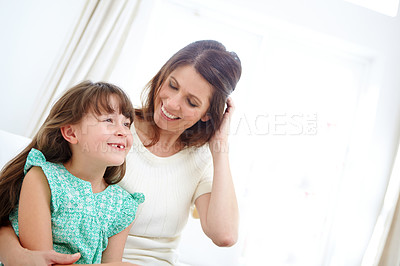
(170, 161)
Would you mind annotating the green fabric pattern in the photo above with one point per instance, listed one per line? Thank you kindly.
(82, 221)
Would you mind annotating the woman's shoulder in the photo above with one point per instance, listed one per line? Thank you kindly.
(199, 156)
(202, 152)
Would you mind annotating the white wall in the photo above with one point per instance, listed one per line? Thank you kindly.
(33, 34)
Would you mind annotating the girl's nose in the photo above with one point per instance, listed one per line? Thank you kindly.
(121, 131)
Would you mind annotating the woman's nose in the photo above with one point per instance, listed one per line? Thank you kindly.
(173, 103)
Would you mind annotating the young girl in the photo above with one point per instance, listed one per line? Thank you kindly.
(60, 192)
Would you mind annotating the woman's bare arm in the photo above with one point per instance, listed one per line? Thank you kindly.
(218, 210)
(12, 253)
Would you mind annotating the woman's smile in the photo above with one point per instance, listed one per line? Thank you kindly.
(168, 115)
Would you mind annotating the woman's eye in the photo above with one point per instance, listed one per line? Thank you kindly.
(191, 103)
(172, 86)
(108, 120)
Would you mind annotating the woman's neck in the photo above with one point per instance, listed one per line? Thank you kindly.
(167, 145)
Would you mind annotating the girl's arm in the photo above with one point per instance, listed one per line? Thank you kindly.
(34, 218)
(218, 210)
(34, 227)
(115, 247)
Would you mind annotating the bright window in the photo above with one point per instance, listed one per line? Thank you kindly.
(386, 7)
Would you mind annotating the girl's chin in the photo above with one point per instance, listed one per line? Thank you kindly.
(114, 164)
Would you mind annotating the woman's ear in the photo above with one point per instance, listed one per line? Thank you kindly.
(68, 132)
(205, 118)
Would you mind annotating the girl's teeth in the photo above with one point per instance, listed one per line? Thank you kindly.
(118, 146)
(168, 114)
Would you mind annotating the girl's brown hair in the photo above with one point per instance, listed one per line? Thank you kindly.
(220, 68)
(69, 109)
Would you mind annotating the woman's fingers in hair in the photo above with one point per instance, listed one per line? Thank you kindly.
(230, 106)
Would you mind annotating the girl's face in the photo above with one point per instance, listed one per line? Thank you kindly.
(106, 138)
(182, 101)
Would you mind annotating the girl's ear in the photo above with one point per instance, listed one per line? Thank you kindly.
(205, 118)
(68, 132)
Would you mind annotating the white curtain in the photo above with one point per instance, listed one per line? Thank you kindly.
(91, 51)
(384, 246)
(391, 250)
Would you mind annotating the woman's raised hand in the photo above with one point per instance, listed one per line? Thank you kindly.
(219, 142)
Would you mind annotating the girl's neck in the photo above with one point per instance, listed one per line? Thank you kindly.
(87, 172)
(167, 145)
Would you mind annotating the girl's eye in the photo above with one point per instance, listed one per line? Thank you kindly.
(108, 120)
(127, 124)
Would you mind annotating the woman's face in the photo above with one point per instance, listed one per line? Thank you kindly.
(183, 99)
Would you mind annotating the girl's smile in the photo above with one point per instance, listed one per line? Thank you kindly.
(117, 146)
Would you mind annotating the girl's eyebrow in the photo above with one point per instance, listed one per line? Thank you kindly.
(115, 114)
(189, 94)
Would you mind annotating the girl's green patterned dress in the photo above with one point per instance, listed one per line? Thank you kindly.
(82, 221)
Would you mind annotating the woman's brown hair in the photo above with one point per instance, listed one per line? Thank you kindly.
(219, 67)
(69, 109)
